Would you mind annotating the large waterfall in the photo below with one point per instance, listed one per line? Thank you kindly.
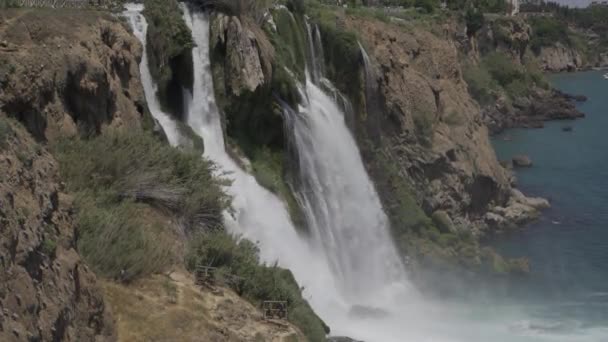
(349, 268)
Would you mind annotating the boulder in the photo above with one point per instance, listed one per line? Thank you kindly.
(243, 63)
(534, 202)
(522, 161)
(494, 220)
(443, 221)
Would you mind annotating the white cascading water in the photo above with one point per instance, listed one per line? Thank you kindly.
(342, 208)
(140, 28)
(259, 215)
(350, 261)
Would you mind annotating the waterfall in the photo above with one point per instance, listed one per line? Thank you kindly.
(349, 268)
(259, 215)
(339, 200)
(316, 63)
(140, 28)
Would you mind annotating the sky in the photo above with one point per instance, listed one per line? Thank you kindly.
(574, 3)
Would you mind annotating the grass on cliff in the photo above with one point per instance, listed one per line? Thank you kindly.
(136, 196)
(497, 72)
(259, 282)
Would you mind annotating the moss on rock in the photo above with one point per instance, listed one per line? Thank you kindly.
(169, 44)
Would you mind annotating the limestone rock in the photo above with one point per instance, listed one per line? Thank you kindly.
(243, 65)
(50, 294)
(430, 127)
(558, 58)
(90, 83)
(522, 161)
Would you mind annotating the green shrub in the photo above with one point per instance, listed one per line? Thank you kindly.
(118, 242)
(474, 20)
(518, 88)
(428, 6)
(548, 31)
(502, 68)
(497, 72)
(136, 166)
(118, 179)
(260, 282)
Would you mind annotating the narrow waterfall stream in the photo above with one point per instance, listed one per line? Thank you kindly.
(349, 268)
(140, 29)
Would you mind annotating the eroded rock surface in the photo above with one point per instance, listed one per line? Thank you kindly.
(68, 72)
(434, 129)
(46, 292)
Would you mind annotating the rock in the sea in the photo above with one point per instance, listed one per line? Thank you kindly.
(522, 161)
(494, 220)
(534, 202)
(567, 128)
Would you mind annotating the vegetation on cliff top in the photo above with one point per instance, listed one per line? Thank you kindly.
(169, 44)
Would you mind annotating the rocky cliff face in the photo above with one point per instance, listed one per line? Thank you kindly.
(538, 103)
(559, 58)
(432, 129)
(46, 292)
(69, 72)
(62, 73)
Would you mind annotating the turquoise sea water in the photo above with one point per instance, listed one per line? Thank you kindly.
(568, 246)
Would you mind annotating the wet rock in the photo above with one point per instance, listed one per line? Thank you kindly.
(243, 64)
(522, 161)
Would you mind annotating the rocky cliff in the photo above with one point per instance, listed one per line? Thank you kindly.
(69, 72)
(519, 95)
(47, 293)
(559, 58)
(431, 126)
(62, 74)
